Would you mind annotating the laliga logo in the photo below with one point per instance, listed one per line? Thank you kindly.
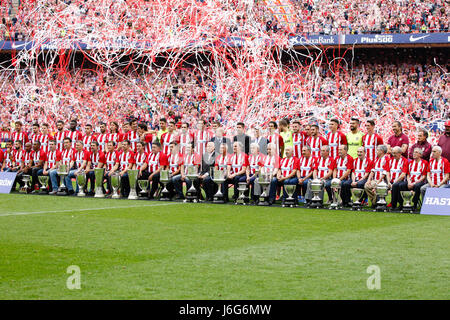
(437, 201)
(6, 183)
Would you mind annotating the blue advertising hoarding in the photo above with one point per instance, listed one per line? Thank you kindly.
(6, 181)
(436, 202)
(294, 41)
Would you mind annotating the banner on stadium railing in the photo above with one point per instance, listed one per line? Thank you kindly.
(237, 41)
(436, 202)
(6, 181)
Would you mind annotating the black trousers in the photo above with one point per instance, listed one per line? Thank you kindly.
(154, 185)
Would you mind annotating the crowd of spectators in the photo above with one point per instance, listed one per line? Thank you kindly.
(147, 20)
(395, 84)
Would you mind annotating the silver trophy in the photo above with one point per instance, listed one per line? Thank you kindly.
(99, 173)
(407, 198)
(192, 174)
(242, 199)
(264, 181)
(164, 179)
(290, 200)
(81, 181)
(26, 180)
(336, 193)
(356, 198)
(219, 178)
(115, 185)
(143, 185)
(381, 192)
(132, 178)
(317, 186)
(62, 172)
(43, 180)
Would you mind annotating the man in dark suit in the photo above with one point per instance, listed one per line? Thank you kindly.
(241, 137)
(261, 141)
(208, 160)
(219, 139)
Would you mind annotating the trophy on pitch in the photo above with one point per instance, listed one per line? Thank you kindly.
(98, 173)
(192, 174)
(407, 198)
(335, 192)
(218, 178)
(115, 185)
(43, 180)
(132, 178)
(26, 179)
(290, 200)
(143, 185)
(63, 171)
(381, 192)
(81, 181)
(242, 199)
(356, 197)
(264, 181)
(164, 179)
(317, 186)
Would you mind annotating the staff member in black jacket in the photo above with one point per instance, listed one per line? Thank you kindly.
(208, 160)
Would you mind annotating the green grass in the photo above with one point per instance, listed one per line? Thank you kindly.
(206, 251)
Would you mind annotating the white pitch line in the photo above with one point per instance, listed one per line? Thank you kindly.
(87, 209)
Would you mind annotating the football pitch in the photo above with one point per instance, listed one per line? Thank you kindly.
(171, 250)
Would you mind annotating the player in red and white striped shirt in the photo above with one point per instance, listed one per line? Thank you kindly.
(88, 137)
(168, 137)
(417, 175)
(52, 164)
(286, 175)
(361, 170)
(378, 173)
(255, 162)
(188, 160)
(102, 138)
(67, 159)
(73, 133)
(18, 134)
(305, 171)
(298, 138)
(156, 162)
(125, 162)
(237, 166)
(396, 176)
(96, 159)
(344, 167)
(45, 137)
(7, 158)
(316, 141)
(80, 158)
(438, 175)
(201, 137)
(17, 156)
(371, 140)
(145, 137)
(133, 135)
(26, 163)
(111, 160)
(5, 135)
(223, 159)
(35, 135)
(324, 169)
(39, 158)
(275, 138)
(185, 138)
(335, 138)
(60, 135)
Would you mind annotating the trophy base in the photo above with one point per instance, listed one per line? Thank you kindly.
(116, 196)
(380, 208)
(356, 206)
(407, 209)
(289, 202)
(242, 200)
(191, 196)
(263, 202)
(164, 196)
(316, 204)
(99, 196)
(334, 206)
(62, 192)
(43, 191)
(81, 194)
(218, 199)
